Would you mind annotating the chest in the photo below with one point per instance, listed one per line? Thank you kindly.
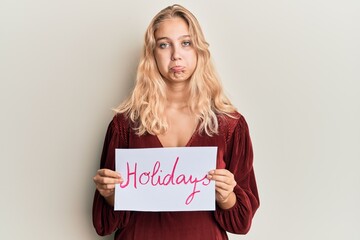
(181, 128)
(196, 140)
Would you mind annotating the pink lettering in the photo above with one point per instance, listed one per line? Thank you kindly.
(156, 178)
(146, 174)
(125, 184)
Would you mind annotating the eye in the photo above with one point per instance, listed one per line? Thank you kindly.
(164, 45)
(186, 43)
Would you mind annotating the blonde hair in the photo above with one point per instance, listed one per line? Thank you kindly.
(145, 106)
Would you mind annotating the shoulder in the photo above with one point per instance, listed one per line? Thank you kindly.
(234, 122)
(118, 131)
(120, 123)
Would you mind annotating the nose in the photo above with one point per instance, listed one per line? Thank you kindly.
(175, 55)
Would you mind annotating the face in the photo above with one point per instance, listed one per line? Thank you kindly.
(174, 52)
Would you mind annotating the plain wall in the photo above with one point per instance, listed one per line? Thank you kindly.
(291, 68)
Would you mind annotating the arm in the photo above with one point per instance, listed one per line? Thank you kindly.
(105, 219)
(239, 200)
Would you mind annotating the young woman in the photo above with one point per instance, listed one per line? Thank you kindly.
(178, 101)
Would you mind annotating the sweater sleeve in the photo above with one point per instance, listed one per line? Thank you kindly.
(240, 162)
(105, 219)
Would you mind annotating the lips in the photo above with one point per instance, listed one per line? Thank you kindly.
(177, 69)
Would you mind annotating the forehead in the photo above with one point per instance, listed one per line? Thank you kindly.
(172, 28)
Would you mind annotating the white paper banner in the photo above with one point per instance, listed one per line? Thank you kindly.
(165, 179)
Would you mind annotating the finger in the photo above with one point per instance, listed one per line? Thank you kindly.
(224, 186)
(225, 179)
(106, 190)
(105, 180)
(105, 186)
(108, 173)
(220, 175)
(222, 172)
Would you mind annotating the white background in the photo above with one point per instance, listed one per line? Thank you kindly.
(291, 68)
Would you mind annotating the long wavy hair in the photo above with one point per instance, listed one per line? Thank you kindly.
(145, 106)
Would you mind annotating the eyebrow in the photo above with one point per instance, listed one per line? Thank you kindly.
(166, 38)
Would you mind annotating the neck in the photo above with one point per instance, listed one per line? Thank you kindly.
(177, 95)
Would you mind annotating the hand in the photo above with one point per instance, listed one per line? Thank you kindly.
(224, 187)
(105, 180)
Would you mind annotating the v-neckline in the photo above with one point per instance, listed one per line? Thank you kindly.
(186, 145)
